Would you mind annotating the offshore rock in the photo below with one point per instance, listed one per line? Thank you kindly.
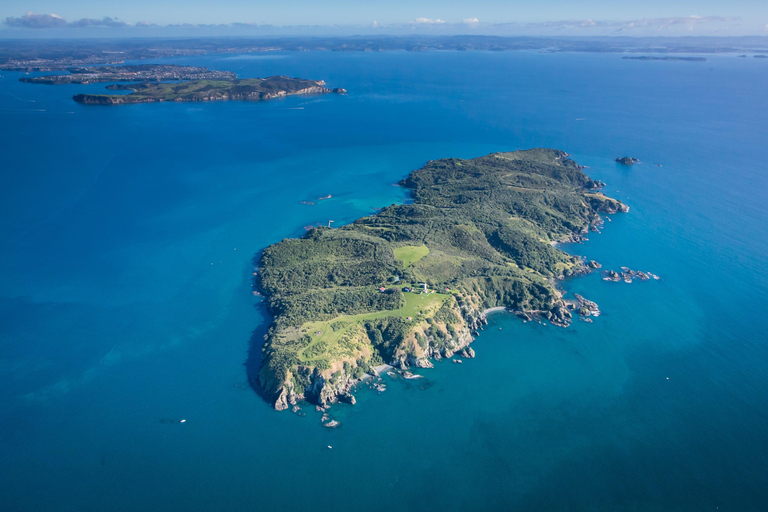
(586, 307)
(627, 160)
(419, 362)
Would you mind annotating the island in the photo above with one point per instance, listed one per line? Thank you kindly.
(627, 160)
(413, 282)
(134, 73)
(254, 89)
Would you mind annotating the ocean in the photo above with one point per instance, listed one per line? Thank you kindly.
(128, 235)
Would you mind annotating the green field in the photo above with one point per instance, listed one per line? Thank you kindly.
(410, 254)
(417, 306)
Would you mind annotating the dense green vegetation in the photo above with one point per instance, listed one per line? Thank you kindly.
(479, 232)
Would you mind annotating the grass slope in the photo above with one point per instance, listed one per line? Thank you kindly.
(409, 254)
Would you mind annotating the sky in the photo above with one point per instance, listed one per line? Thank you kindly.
(498, 17)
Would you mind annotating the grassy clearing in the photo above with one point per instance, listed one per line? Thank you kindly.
(410, 254)
(417, 306)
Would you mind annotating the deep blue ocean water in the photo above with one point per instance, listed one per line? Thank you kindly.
(125, 299)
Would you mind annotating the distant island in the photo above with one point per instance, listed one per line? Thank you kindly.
(690, 59)
(135, 73)
(413, 282)
(169, 82)
(253, 89)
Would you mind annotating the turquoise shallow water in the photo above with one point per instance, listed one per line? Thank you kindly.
(125, 296)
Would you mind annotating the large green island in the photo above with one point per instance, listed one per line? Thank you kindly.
(254, 89)
(413, 282)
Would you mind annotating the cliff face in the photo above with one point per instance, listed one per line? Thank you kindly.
(98, 99)
(408, 285)
(417, 348)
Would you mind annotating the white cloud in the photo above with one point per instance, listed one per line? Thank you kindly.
(35, 20)
(428, 21)
(470, 21)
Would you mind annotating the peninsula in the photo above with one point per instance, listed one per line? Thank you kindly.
(253, 89)
(412, 282)
(134, 73)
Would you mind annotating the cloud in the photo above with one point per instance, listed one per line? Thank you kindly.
(34, 20)
(106, 21)
(428, 21)
(470, 21)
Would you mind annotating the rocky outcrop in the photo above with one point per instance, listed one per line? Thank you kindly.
(559, 315)
(627, 160)
(585, 307)
(628, 275)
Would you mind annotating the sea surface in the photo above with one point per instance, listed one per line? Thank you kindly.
(125, 292)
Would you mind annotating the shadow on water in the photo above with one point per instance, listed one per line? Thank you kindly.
(253, 361)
